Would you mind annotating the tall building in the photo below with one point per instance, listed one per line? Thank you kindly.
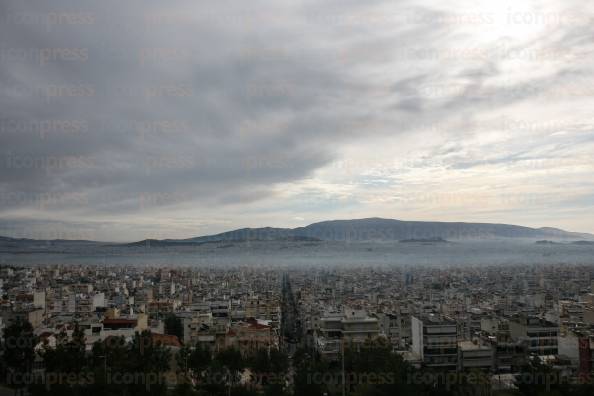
(435, 341)
(39, 299)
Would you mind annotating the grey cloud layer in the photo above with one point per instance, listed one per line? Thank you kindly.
(125, 109)
(156, 102)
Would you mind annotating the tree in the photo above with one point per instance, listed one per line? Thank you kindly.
(371, 369)
(269, 368)
(376, 370)
(67, 365)
(195, 359)
(538, 379)
(19, 352)
(108, 357)
(174, 326)
(231, 359)
(152, 361)
(223, 373)
(306, 381)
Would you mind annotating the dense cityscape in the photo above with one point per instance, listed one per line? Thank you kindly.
(361, 331)
(297, 198)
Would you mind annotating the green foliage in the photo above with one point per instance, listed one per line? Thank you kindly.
(113, 367)
(371, 369)
(174, 326)
(193, 363)
(538, 379)
(220, 374)
(18, 348)
(67, 371)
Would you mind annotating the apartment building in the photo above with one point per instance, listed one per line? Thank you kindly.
(348, 327)
(474, 355)
(435, 341)
(541, 335)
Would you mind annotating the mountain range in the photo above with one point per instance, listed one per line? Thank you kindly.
(383, 230)
(358, 230)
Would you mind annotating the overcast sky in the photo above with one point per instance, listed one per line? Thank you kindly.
(123, 120)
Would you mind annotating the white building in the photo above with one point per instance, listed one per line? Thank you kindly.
(99, 301)
(435, 341)
(39, 299)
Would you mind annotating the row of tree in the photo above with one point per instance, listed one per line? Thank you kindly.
(144, 367)
(139, 367)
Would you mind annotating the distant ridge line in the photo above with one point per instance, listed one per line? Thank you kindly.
(380, 229)
(367, 229)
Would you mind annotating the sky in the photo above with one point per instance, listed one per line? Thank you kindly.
(121, 121)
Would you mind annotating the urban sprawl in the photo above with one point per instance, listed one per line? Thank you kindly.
(489, 327)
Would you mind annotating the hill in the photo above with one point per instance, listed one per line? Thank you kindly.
(363, 230)
(378, 229)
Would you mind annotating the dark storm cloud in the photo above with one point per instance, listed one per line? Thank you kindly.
(116, 100)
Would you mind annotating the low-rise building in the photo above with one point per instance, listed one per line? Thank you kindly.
(475, 356)
(541, 335)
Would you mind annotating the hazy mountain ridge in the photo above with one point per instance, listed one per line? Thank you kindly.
(377, 229)
(359, 230)
(237, 236)
(7, 241)
(27, 245)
